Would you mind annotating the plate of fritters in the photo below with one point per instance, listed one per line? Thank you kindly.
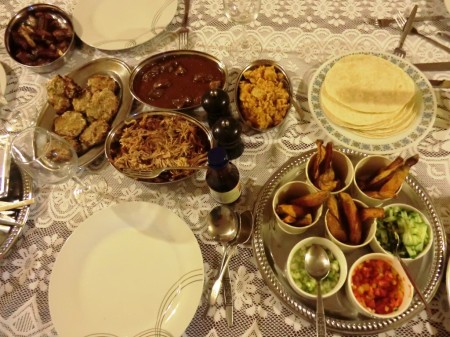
(85, 104)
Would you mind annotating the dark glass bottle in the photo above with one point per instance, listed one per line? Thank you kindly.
(216, 103)
(227, 132)
(222, 177)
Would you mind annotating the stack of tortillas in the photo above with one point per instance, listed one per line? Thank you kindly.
(370, 96)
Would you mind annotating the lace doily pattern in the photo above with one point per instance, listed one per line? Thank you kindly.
(300, 35)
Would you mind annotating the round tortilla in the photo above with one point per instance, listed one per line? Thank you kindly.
(369, 83)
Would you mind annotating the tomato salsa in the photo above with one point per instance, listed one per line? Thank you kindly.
(377, 286)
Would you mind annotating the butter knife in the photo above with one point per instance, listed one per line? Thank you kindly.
(433, 66)
(228, 297)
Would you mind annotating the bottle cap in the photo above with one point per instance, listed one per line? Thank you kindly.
(217, 156)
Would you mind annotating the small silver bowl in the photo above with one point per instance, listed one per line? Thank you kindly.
(176, 80)
(286, 85)
(113, 147)
(40, 59)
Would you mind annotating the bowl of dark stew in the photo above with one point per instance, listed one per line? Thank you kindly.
(177, 80)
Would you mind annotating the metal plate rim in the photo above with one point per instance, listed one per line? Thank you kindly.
(362, 327)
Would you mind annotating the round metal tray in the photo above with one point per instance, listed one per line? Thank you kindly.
(271, 247)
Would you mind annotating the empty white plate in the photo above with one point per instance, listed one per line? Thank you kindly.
(118, 24)
(132, 269)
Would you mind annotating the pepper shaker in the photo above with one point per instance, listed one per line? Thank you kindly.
(216, 103)
(227, 132)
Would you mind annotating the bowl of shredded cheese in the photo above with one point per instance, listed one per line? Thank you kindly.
(157, 139)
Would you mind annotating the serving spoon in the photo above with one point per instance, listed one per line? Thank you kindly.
(408, 274)
(317, 265)
(223, 227)
(243, 236)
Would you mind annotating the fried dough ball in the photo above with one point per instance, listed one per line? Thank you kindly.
(94, 134)
(81, 103)
(75, 143)
(70, 124)
(60, 91)
(103, 105)
(100, 82)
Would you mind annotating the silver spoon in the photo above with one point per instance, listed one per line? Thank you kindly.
(223, 227)
(243, 236)
(408, 274)
(317, 265)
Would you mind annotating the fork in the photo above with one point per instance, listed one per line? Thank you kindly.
(399, 51)
(408, 274)
(183, 33)
(153, 173)
(386, 22)
(400, 19)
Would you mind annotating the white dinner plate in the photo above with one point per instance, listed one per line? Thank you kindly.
(447, 281)
(3, 81)
(118, 24)
(447, 5)
(133, 269)
(409, 137)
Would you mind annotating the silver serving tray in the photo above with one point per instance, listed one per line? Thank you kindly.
(113, 67)
(20, 188)
(271, 247)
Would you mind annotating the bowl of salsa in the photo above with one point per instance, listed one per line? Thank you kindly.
(378, 287)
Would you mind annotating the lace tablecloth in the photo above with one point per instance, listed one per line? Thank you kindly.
(300, 34)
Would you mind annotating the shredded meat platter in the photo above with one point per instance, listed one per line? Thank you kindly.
(151, 140)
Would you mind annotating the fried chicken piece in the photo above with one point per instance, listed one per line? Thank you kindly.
(70, 124)
(103, 105)
(94, 134)
(75, 143)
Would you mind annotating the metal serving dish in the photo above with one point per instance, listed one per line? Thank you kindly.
(113, 146)
(20, 188)
(287, 85)
(113, 67)
(177, 79)
(55, 12)
(271, 247)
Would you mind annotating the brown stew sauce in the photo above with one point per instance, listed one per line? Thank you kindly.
(178, 81)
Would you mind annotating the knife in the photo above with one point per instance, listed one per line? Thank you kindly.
(441, 84)
(228, 297)
(433, 66)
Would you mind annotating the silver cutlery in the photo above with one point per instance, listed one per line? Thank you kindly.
(386, 22)
(401, 21)
(183, 33)
(410, 277)
(433, 66)
(399, 51)
(153, 173)
(6, 206)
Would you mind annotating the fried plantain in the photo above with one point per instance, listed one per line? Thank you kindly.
(305, 221)
(320, 156)
(383, 175)
(336, 228)
(291, 209)
(370, 213)
(311, 200)
(390, 188)
(333, 206)
(351, 215)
